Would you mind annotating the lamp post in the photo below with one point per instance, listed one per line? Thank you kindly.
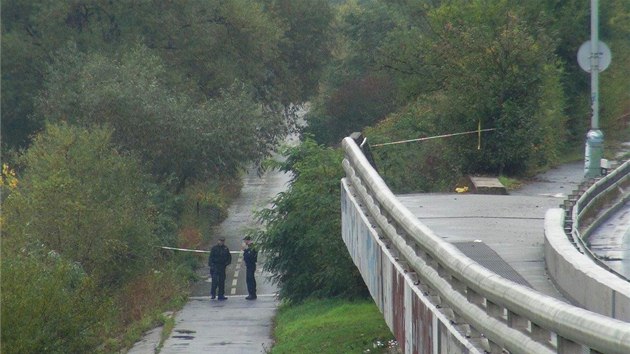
(595, 137)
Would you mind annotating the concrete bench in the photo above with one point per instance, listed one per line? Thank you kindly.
(486, 185)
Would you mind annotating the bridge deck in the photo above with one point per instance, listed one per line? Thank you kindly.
(511, 225)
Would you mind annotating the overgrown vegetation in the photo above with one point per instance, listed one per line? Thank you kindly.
(126, 126)
(302, 235)
(331, 326)
(80, 229)
(454, 66)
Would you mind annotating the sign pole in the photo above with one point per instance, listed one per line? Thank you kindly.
(595, 137)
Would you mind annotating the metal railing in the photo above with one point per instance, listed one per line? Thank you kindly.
(510, 316)
(591, 205)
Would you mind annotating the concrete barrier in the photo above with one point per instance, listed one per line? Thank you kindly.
(416, 322)
(493, 314)
(578, 278)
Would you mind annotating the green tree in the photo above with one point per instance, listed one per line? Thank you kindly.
(85, 201)
(421, 166)
(355, 92)
(304, 49)
(176, 136)
(275, 49)
(301, 239)
(351, 107)
(614, 86)
(490, 66)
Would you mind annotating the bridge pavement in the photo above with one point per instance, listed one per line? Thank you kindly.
(511, 225)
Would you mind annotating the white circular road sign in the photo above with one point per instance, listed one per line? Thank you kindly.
(584, 56)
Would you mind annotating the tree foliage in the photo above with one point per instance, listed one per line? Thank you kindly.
(506, 64)
(49, 305)
(176, 136)
(200, 49)
(492, 64)
(304, 49)
(301, 241)
(83, 200)
(354, 92)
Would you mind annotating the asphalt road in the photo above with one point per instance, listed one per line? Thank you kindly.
(611, 241)
(235, 325)
(255, 195)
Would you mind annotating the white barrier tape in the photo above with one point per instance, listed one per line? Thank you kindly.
(191, 250)
(433, 137)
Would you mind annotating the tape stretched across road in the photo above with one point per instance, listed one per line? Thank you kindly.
(191, 250)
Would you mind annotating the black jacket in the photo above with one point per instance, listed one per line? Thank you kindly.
(220, 257)
(250, 256)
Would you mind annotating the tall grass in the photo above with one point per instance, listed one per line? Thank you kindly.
(331, 326)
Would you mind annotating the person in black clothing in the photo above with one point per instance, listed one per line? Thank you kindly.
(219, 259)
(250, 256)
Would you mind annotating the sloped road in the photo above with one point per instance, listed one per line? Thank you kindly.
(235, 325)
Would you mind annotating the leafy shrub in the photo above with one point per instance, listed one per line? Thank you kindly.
(49, 305)
(302, 241)
(133, 299)
(189, 238)
(82, 199)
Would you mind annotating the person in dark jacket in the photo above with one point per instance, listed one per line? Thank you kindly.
(250, 256)
(219, 259)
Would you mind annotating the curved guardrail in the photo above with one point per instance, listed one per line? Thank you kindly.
(583, 209)
(512, 317)
(576, 271)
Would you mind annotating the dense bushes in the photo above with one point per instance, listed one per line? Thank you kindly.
(302, 236)
(49, 304)
(83, 200)
(79, 226)
(454, 66)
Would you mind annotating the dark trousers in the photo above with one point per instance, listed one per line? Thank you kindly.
(218, 281)
(251, 279)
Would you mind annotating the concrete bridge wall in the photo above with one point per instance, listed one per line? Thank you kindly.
(437, 300)
(416, 323)
(577, 273)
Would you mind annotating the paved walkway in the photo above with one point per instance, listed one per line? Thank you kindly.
(236, 325)
(611, 241)
(232, 326)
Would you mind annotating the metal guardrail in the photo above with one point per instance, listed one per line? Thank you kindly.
(512, 317)
(614, 186)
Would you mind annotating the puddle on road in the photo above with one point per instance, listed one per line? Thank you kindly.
(185, 331)
(184, 335)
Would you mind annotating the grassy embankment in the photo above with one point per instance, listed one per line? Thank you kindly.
(331, 326)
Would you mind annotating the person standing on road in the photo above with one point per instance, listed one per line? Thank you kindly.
(250, 256)
(219, 259)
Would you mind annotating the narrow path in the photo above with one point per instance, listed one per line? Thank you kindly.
(235, 325)
(255, 195)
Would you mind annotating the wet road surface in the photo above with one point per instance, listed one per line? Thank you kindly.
(611, 241)
(236, 325)
(256, 194)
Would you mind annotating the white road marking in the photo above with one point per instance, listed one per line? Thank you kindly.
(237, 270)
